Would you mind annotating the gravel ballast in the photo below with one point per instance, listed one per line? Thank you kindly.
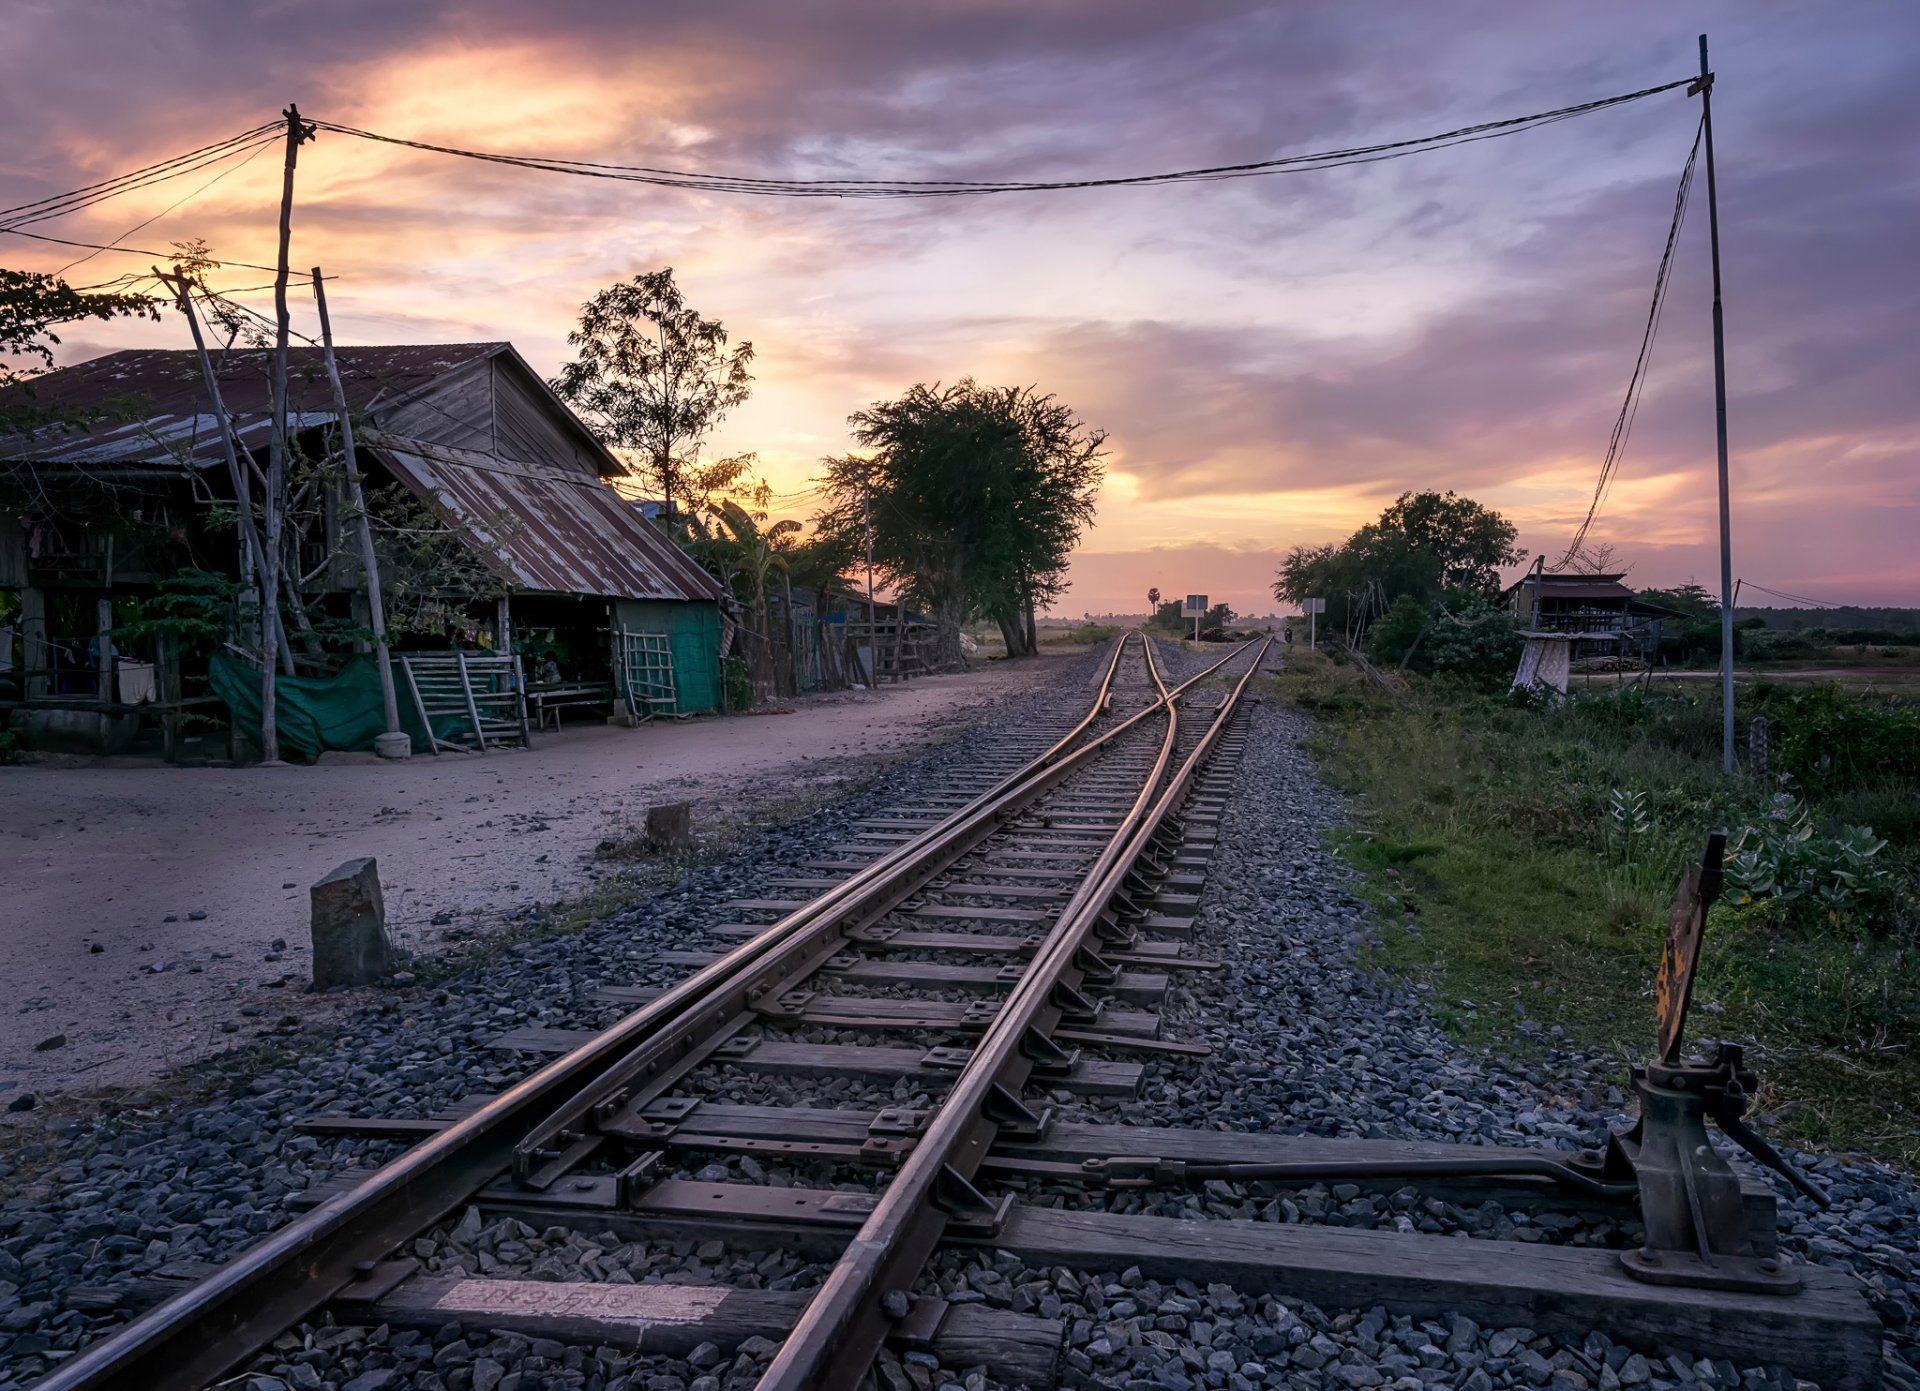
(1306, 1041)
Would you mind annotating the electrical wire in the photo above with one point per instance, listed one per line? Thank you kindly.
(1636, 382)
(231, 140)
(1796, 598)
(114, 244)
(920, 188)
(59, 205)
(124, 250)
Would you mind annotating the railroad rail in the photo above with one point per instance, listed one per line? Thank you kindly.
(1005, 939)
(604, 1092)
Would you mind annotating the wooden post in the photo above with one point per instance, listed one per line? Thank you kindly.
(277, 447)
(251, 560)
(503, 626)
(369, 559)
(167, 674)
(900, 642)
(103, 658)
(35, 650)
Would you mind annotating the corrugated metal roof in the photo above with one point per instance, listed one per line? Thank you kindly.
(1584, 589)
(546, 529)
(171, 418)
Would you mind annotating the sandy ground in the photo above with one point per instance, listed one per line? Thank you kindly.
(145, 909)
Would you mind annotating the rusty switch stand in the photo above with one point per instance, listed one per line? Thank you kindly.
(1696, 1225)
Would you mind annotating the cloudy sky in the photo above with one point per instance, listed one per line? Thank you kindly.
(1274, 358)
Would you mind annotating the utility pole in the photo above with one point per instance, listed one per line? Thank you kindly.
(392, 744)
(298, 132)
(873, 622)
(1703, 87)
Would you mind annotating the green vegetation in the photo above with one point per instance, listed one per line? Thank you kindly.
(1524, 854)
(976, 497)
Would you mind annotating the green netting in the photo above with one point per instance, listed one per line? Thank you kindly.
(693, 630)
(314, 714)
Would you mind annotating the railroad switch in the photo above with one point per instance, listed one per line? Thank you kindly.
(1698, 1231)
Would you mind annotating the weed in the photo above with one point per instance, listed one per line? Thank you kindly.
(1542, 844)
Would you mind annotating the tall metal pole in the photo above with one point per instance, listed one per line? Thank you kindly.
(369, 559)
(1704, 86)
(873, 615)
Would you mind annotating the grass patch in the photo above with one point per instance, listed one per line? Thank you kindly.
(1489, 841)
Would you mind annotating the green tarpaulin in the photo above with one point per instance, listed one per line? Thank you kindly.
(314, 714)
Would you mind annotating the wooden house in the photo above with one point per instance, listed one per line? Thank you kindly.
(497, 529)
(1598, 614)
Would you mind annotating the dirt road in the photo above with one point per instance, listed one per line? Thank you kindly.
(146, 908)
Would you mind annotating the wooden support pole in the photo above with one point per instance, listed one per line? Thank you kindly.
(275, 506)
(252, 561)
(363, 526)
(36, 651)
(103, 656)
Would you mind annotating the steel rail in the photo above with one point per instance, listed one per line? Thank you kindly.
(192, 1338)
(833, 1345)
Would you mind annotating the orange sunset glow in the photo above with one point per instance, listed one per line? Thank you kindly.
(1274, 359)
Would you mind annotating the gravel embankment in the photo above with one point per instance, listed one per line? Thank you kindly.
(1306, 1041)
(1309, 1041)
(141, 1186)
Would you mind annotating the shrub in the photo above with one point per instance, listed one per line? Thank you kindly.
(1832, 740)
(1783, 857)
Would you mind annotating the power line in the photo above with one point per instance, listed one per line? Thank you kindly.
(1630, 407)
(230, 169)
(123, 250)
(59, 204)
(1798, 598)
(921, 188)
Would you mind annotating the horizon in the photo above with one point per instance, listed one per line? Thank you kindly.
(1276, 359)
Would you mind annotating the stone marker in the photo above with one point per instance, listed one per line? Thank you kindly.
(670, 826)
(350, 944)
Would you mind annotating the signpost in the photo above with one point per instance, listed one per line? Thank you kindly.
(1314, 608)
(1196, 609)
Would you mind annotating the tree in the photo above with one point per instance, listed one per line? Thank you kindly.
(1423, 546)
(32, 305)
(1153, 602)
(1219, 616)
(654, 378)
(1592, 558)
(1167, 616)
(977, 496)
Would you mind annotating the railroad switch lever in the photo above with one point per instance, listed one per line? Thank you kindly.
(1690, 1200)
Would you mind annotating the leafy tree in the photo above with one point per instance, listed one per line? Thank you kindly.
(977, 496)
(1153, 602)
(1422, 546)
(1696, 633)
(1219, 616)
(654, 378)
(1168, 616)
(32, 305)
(1474, 637)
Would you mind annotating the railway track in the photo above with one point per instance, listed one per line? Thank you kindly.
(883, 1084)
(1017, 928)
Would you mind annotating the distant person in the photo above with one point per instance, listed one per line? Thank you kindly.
(550, 670)
(1287, 633)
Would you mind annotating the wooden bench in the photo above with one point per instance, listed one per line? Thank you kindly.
(551, 699)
